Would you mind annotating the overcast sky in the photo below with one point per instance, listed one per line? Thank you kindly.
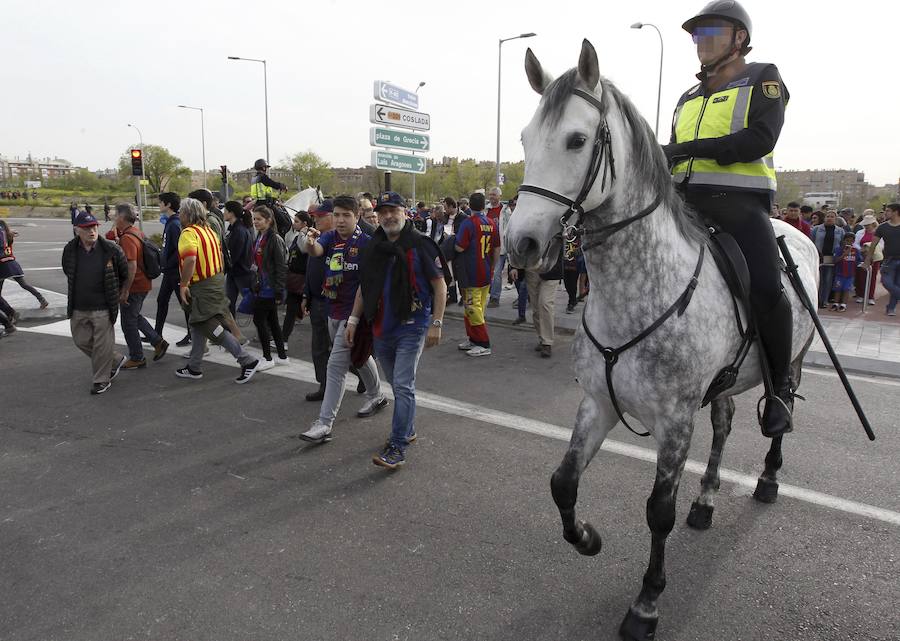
(75, 73)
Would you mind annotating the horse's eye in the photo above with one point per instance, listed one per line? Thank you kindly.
(576, 141)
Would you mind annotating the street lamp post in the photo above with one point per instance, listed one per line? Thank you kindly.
(499, 72)
(421, 84)
(137, 187)
(638, 25)
(202, 138)
(265, 95)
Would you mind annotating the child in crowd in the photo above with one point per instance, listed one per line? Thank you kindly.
(846, 258)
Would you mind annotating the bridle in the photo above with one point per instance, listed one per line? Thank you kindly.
(601, 151)
(571, 230)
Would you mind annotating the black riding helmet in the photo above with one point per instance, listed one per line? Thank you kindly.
(726, 10)
(261, 165)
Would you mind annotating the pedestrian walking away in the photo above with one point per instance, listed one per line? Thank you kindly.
(403, 295)
(10, 269)
(478, 243)
(134, 290)
(341, 249)
(96, 270)
(202, 287)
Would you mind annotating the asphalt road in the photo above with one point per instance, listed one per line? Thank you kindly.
(172, 509)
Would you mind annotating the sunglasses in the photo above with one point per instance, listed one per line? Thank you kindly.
(709, 32)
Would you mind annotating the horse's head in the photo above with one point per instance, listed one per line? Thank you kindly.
(570, 146)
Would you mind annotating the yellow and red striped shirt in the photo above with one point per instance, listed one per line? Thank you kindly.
(203, 243)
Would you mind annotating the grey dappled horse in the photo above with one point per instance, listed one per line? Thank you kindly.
(643, 248)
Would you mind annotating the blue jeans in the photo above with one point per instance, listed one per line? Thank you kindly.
(399, 355)
(890, 278)
(133, 325)
(826, 278)
(497, 280)
(522, 289)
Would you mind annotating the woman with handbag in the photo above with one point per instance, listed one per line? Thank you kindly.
(267, 283)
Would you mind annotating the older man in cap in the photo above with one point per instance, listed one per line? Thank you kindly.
(402, 293)
(97, 273)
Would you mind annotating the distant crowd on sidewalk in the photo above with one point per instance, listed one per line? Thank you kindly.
(853, 251)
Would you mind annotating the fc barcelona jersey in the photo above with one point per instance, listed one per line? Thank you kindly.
(478, 236)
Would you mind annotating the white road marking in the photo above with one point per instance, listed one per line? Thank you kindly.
(42, 269)
(303, 371)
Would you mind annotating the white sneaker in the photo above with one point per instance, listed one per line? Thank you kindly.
(318, 433)
(871, 301)
(466, 345)
(372, 407)
(264, 365)
(478, 350)
(858, 299)
(282, 361)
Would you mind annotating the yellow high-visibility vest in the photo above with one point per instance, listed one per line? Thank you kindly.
(722, 113)
(259, 191)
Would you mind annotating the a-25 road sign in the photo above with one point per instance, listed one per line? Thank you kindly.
(398, 162)
(397, 117)
(392, 93)
(383, 137)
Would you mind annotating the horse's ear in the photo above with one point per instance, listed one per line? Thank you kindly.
(537, 77)
(588, 67)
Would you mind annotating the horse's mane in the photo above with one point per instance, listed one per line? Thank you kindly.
(648, 160)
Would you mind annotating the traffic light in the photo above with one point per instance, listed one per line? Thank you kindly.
(137, 167)
(223, 169)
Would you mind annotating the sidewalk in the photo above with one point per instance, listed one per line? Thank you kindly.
(865, 343)
(29, 308)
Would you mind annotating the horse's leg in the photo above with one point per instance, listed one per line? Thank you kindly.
(592, 424)
(767, 485)
(640, 622)
(721, 413)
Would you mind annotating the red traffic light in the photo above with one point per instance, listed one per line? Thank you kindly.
(137, 163)
(135, 153)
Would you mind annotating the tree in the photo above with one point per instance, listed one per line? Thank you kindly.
(312, 170)
(160, 167)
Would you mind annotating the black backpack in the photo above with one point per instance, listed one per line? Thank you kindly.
(152, 262)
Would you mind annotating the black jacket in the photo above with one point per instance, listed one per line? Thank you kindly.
(115, 273)
(240, 247)
(274, 261)
(171, 234)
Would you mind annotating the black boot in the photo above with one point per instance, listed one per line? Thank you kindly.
(775, 331)
(318, 395)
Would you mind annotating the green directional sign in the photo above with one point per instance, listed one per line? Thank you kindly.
(398, 162)
(384, 137)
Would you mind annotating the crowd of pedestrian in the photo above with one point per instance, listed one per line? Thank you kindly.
(853, 251)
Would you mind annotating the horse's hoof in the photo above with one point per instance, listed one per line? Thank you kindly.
(638, 628)
(766, 491)
(590, 542)
(700, 516)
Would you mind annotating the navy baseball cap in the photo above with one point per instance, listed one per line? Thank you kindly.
(390, 199)
(85, 219)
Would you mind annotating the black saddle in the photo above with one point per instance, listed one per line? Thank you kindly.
(733, 266)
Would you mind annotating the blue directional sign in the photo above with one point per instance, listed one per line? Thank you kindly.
(396, 95)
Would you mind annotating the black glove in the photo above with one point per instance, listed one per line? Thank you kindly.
(677, 151)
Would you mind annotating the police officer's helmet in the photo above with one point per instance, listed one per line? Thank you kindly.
(726, 10)
(261, 164)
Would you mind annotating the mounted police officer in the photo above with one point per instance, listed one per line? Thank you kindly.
(723, 134)
(262, 187)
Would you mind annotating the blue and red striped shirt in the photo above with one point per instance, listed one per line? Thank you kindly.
(478, 236)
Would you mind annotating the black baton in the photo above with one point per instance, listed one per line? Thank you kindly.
(801, 292)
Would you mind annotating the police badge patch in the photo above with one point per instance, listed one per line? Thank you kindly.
(772, 89)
